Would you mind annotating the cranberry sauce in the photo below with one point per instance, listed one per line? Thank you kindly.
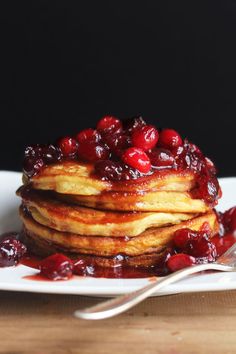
(126, 150)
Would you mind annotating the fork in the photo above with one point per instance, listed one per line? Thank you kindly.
(109, 308)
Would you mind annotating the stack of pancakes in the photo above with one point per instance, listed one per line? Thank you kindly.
(67, 209)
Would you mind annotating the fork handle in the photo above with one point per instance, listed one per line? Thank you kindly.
(122, 303)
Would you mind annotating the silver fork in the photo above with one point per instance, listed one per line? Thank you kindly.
(109, 308)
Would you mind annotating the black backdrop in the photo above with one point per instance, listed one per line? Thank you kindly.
(64, 64)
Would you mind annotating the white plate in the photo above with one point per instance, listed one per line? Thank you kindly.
(12, 278)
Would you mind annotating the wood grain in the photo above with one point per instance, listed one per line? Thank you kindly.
(184, 323)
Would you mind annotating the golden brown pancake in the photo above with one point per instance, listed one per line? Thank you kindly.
(62, 216)
(161, 201)
(71, 177)
(43, 248)
(153, 240)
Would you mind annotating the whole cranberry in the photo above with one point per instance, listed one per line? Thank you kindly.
(109, 124)
(50, 154)
(137, 158)
(131, 124)
(208, 188)
(229, 219)
(93, 152)
(201, 247)
(88, 135)
(83, 268)
(145, 137)
(33, 151)
(115, 171)
(32, 165)
(180, 261)
(223, 243)
(210, 166)
(161, 158)
(57, 267)
(11, 251)
(182, 236)
(68, 146)
(117, 142)
(169, 138)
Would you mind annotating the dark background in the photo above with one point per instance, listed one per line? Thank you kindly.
(64, 64)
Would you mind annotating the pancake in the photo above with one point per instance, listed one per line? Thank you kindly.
(43, 248)
(153, 240)
(160, 201)
(71, 177)
(62, 216)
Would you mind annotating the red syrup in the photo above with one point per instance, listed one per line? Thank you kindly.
(84, 268)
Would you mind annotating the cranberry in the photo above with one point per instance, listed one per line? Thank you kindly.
(10, 235)
(93, 152)
(180, 261)
(133, 123)
(161, 158)
(169, 138)
(223, 243)
(115, 171)
(56, 267)
(33, 151)
(189, 156)
(145, 137)
(201, 247)
(68, 146)
(82, 268)
(138, 159)
(88, 135)
(208, 188)
(182, 236)
(31, 166)
(50, 153)
(210, 166)
(117, 142)
(11, 251)
(229, 219)
(109, 124)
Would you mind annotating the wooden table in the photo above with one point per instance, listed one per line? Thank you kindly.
(184, 323)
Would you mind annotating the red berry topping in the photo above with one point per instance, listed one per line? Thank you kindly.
(180, 261)
(109, 124)
(11, 251)
(83, 268)
(182, 236)
(117, 143)
(145, 137)
(68, 146)
(169, 138)
(88, 135)
(32, 165)
(115, 171)
(201, 247)
(223, 243)
(208, 189)
(93, 152)
(229, 219)
(134, 123)
(138, 159)
(161, 158)
(57, 267)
